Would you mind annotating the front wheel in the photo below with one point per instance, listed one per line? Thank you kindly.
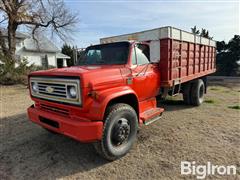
(119, 132)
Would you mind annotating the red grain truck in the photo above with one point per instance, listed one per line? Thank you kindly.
(113, 90)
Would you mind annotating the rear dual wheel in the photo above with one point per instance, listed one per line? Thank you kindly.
(119, 132)
(187, 93)
(193, 92)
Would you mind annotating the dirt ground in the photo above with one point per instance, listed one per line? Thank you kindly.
(210, 132)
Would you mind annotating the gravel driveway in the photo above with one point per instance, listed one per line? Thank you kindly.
(210, 132)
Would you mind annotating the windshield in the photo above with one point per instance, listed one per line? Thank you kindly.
(106, 54)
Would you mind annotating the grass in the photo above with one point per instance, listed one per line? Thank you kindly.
(235, 107)
(209, 101)
(214, 89)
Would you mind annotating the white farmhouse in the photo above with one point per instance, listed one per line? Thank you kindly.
(38, 52)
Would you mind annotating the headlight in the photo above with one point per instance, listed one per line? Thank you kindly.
(34, 86)
(72, 92)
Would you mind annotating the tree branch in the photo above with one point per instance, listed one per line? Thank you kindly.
(38, 15)
(6, 6)
(4, 19)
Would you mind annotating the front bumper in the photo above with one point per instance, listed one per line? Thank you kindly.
(79, 130)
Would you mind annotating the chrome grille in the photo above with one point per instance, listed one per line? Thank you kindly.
(56, 89)
(59, 90)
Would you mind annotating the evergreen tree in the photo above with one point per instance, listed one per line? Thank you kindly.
(228, 56)
(68, 50)
(195, 30)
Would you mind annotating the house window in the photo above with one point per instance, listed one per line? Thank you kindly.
(44, 61)
(18, 44)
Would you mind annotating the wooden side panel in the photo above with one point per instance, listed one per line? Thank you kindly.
(165, 61)
(184, 61)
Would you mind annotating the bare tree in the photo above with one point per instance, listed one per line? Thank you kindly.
(52, 15)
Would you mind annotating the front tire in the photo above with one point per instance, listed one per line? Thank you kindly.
(119, 132)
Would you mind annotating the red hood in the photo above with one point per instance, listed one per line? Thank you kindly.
(68, 71)
(95, 76)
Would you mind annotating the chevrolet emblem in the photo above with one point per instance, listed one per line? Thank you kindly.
(49, 89)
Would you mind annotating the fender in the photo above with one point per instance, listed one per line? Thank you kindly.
(104, 97)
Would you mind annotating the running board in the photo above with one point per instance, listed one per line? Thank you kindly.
(152, 120)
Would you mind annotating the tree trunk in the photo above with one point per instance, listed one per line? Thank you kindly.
(12, 28)
(3, 44)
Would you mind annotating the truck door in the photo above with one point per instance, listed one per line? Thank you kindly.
(146, 76)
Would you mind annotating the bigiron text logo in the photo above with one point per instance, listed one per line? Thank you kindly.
(202, 171)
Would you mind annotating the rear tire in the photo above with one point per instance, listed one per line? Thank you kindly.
(119, 132)
(197, 92)
(187, 93)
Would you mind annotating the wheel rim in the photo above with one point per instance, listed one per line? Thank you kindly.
(120, 132)
(201, 92)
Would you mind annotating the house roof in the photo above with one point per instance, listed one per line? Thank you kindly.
(41, 45)
(19, 35)
(62, 56)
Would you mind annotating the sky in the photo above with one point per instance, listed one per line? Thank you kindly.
(103, 18)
